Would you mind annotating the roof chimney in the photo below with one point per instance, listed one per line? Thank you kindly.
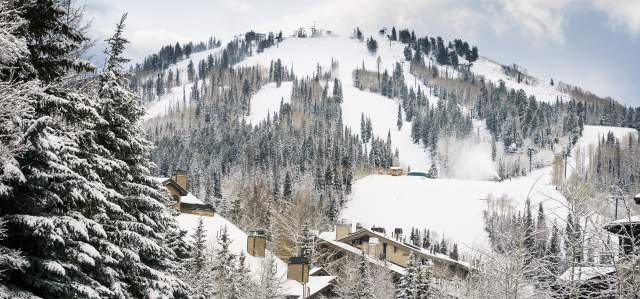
(397, 234)
(257, 242)
(343, 228)
(181, 178)
(298, 269)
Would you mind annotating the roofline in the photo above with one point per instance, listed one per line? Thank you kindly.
(364, 230)
(170, 181)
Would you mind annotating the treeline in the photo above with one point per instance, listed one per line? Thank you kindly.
(170, 54)
(155, 82)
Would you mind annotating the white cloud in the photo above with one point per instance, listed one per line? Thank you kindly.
(625, 13)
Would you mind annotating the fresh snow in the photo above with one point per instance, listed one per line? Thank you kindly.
(213, 225)
(589, 140)
(190, 198)
(267, 100)
(173, 98)
(445, 206)
(305, 54)
(542, 90)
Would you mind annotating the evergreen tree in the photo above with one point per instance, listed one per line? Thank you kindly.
(287, 189)
(433, 171)
(198, 252)
(364, 287)
(399, 121)
(454, 252)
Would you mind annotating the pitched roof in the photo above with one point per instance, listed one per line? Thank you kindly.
(434, 256)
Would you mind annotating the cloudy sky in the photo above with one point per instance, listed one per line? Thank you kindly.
(594, 44)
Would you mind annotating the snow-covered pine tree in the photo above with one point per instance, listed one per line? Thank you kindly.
(399, 121)
(407, 285)
(363, 287)
(138, 219)
(224, 266)
(433, 171)
(199, 247)
(424, 287)
(270, 285)
(54, 200)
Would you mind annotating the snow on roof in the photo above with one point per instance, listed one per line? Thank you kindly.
(585, 273)
(327, 237)
(437, 256)
(192, 199)
(627, 220)
(238, 245)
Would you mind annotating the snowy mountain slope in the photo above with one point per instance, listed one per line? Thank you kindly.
(445, 206)
(305, 54)
(173, 98)
(493, 71)
(589, 139)
(214, 224)
(267, 100)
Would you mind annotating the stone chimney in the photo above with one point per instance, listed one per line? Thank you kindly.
(298, 269)
(181, 178)
(343, 228)
(257, 242)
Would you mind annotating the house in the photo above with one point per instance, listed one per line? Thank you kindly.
(396, 171)
(185, 201)
(391, 250)
(628, 232)
(589, 280)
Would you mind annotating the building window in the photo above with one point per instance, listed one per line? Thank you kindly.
(395, 249)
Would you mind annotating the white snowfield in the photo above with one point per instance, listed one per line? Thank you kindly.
(267, 100)
(305, 54)
(214, 224)
(445, 206)
(589, 140)
(542, 90)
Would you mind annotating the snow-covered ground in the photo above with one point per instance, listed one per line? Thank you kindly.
(445, 206)
(214, 224)
(267, 100)
(492, 71)
(589, 140)
(452, 206)
(173, 98)
(304, 54)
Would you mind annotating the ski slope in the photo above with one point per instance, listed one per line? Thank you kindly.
(267, 100)
(445, 206)
(179, 96)
(542, 90)
(303, 55)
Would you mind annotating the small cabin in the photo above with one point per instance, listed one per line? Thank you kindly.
(396, 171)
(185, 201)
